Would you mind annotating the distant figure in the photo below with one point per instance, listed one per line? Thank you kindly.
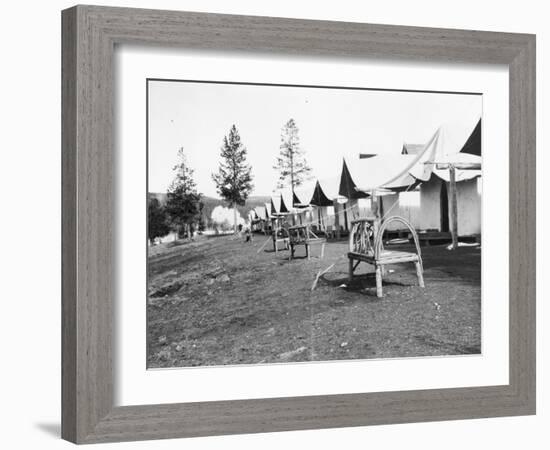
(248, 235)
(240, 228)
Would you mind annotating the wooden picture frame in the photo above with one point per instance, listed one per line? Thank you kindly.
(89, 37)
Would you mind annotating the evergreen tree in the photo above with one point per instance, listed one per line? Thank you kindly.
(234, 177)
(291, 163)
(184, 203)
(157, 220)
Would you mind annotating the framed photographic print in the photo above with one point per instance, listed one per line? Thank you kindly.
(278, 224)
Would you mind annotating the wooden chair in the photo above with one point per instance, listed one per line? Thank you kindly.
(303, 235)
(279, 235)
(366, 245)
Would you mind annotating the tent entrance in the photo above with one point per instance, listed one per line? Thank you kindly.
(444, 208)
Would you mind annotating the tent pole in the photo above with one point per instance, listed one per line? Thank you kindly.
(336, 219)
(345, 206)
(454, 207)
(375, 202)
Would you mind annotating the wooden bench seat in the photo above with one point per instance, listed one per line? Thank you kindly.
(386, 257)
(366, 245)
(303, 235)
(279, 235)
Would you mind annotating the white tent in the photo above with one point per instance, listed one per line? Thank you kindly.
(326, 192)
(388, 171)
(417, 177)
(304, 193)
(277, 205)
(260, 212)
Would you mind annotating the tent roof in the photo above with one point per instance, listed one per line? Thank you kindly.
(268, 209)
(383, 171)
(399, 171)
(260, 212)
(457, 158)
(276, 204)
(460, 141)
(326, 191)
(388, 171)
(287, 200)
(304, 193)
(473, 144)
(412, 149)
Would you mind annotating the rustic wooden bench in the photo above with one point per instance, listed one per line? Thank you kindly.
(366, 245)
(303, 235)
(279, 235)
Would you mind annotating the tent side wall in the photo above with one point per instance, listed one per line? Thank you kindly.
(430, 205)
(423, 208)
(469, 207)
(409, 206)
(324, 214)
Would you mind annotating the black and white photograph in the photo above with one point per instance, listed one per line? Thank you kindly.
(293, 224)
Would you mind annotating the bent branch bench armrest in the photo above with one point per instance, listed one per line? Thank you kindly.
(303, 235)
(366, 245)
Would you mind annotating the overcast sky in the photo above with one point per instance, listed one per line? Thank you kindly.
(332, 123)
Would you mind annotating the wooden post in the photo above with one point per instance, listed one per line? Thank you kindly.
(346, 216)
(379, 292)
(419, 274)
(336, 218)
(453, 207)
(375, 202)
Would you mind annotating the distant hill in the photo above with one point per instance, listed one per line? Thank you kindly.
(210, 203)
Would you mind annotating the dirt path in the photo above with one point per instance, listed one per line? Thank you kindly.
(218, 301)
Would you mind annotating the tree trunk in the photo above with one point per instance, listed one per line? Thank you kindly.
(234, 219)
(292, 185)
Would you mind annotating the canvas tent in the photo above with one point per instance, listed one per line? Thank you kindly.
(387, 172)
(458, 164)
(297, 202)
(330, 207)
(278, 207)
(304, 193)
(412, 149)
(415, 184)
(473, 145)
(259, 218)
(260, 212)
(287, 199)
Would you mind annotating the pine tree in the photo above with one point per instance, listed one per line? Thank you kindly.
(291, 163)
(184, 202)
(157, 220)
(234, 177)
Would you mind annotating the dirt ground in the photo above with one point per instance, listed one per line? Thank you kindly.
(219, 301)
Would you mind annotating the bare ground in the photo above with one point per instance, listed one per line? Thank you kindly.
(218, 301)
